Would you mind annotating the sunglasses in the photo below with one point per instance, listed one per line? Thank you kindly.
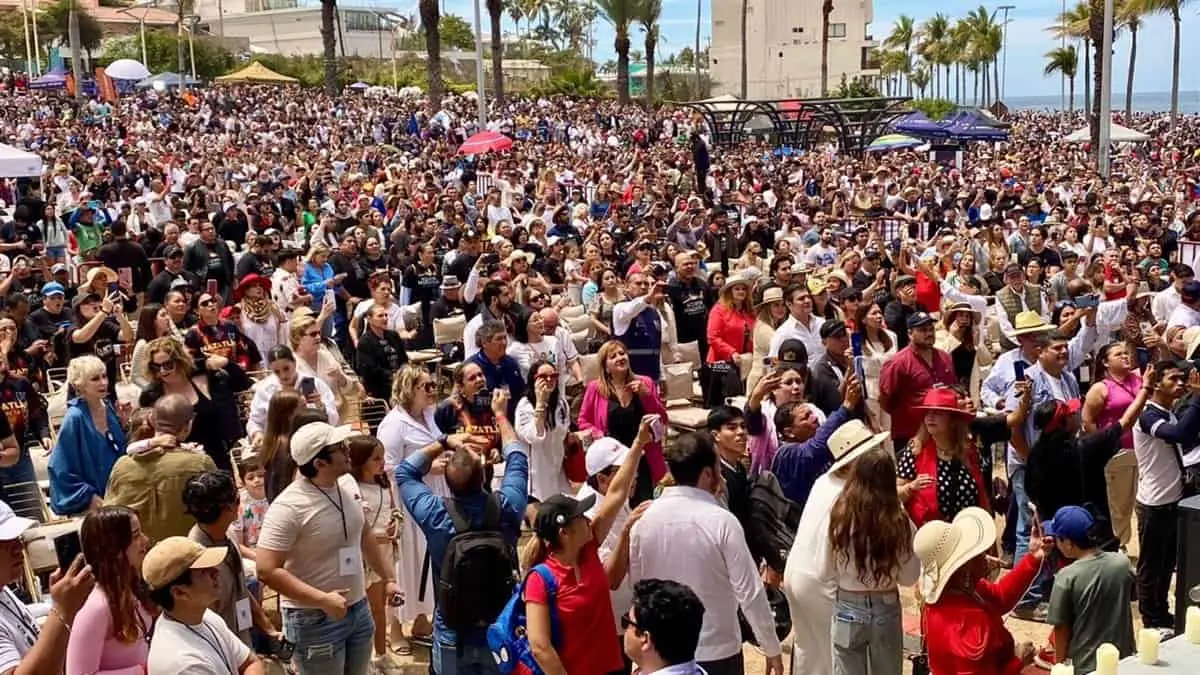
(429, 386)
(165, 367)
(313, 334)
(206, 303)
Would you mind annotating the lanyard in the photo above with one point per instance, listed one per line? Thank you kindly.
(27, 626)
(337, 505)
(213, 645)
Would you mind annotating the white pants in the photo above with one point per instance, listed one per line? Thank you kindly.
(811, 608)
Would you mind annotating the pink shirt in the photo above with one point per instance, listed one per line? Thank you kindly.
(94, 650)
(1120, 397)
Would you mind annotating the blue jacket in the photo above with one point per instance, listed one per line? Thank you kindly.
(430, 514)
(504, 374)
(799, 465)
(82, 459)
(313, 280)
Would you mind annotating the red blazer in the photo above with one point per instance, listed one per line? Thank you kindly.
(964, 637)
(923, 504)
(729, 332)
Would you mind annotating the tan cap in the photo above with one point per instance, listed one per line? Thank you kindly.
(173, 556)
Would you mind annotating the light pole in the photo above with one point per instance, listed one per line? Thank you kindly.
(1062, 78)
(1102, 155)
(479, 67)
(28, 42)
(37, 47)
(1004, 52)
(193, 20)
(141, 30)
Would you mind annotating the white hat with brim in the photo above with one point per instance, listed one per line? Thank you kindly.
(738, 279)
(12, 526)
(851, 441)
(1191, 338)
(604, 453)
(945, 547)
(1029, 322)
(310, 439)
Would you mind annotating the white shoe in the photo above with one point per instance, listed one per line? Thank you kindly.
(385, 665)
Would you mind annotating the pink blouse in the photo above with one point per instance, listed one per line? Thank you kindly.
(94, 650)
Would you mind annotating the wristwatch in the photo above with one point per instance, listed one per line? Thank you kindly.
(444, 441)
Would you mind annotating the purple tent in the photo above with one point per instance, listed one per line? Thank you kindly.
(918, 124)
(53, 80)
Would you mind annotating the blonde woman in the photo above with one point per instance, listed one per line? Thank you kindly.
(408, 428)
(770, 312)
(89, 442)
(318, 278)
(960, 334)
(314, 359)
(751, 259)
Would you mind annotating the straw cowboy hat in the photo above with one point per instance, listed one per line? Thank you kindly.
(851, 441)
(109, 275)
(1191, 338)
(775, 294)
(944, 547)
(738, 279)
(943, 399)
(1030, 322)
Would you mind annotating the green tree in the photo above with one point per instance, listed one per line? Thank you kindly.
(1074, 25)
(455, 32)
(932, 48)
(620, 13)
(649, 14)
(919, 78)
(433, 48)
(1129, 14)
(1064, 60)
(54, 25)
(161, 47)
(904, 31)
(1173, 8)
(12, 35)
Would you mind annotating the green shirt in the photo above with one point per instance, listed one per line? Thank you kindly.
(1094, 596)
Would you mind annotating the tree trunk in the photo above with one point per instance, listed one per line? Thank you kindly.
(651, 46)
(1129, 75)
(76, 62)
(826, 10)
(622, 46)
(433, 50)
(1071, 95)
(1096, 33)
(1087, 76)
(328, 46)
(745, 67)
(1175, 68)
(495, 8)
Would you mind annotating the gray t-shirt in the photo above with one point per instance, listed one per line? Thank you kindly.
(1093, 596)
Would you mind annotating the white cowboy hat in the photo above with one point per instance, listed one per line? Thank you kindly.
(1028, 322)
(851, 441)
(944, 547)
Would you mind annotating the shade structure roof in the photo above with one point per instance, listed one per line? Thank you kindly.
(257, 72)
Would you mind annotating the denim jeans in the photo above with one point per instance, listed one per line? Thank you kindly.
(465, 660)
(868, 634)
(328, 647)
(1040, 590)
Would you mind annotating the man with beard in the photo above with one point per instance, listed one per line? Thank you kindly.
(258, 259)
(210, 260)
(497, 303)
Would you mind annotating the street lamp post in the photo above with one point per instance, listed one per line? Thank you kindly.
(28, 43)
(37, 47)
(1102, 155)
(141, 31)
(479, 79)
(1004, 52)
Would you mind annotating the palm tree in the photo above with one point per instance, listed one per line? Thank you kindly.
(986, 40)
(495, 13)
(919, 78)
(430, 18)
(826, 10)
(901, 37)
(1096, 33)
(1172, 7)
(891, 66)
(1073, 25)
(1129, 14)
(959, 47)
(516, 12)
(328, 45)
(1064, 60)
(620, 14)
(932, 47)
(745, 8)
(649, 14)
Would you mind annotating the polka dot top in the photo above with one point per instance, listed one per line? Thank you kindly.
(956, 489)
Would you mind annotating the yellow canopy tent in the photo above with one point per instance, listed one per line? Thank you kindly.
(257, 72)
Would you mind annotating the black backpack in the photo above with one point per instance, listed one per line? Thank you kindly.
(773, 520)
(479, 569)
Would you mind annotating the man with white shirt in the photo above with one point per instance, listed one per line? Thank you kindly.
(1016, 297)
(801, 325)
(1187, 314)
(714, 560)
(1166, 300)
(638, 325)
(662, 630)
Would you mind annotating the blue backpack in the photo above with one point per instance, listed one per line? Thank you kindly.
(507, 638)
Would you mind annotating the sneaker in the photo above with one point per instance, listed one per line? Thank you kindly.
(1035, 613)
(385, 665)
(1045, 658)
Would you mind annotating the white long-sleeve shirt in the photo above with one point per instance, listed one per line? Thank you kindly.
(810, 335)
(713, 560)
(264, 391)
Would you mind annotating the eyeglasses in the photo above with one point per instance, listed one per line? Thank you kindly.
(627, 623)
(429, 386)
(164, 367)
(206, 303)
(313, 334)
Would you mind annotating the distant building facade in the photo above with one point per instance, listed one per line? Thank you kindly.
(293, 28)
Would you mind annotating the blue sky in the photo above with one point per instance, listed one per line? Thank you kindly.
(1028, 40)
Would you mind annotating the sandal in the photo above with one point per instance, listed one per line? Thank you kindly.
(402, 647)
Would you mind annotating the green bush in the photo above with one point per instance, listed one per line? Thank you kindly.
(934, 108)
(162, 54)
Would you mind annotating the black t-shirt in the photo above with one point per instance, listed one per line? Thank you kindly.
(48, 324)
(1071, 473)
(103, 345)
(424, 283)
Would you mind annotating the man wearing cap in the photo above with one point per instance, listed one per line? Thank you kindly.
(1092, 599)
(172, 270)
(829, 371)
(902, 306)
(311, 549)
(54, 314)
(800, 325)
(906, 377)
(713, 560)
(1016, 297)
(26, 648)
(189, 637)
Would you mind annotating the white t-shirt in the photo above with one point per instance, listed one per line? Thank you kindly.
(18, 630)
(207, 649)
(304, 521)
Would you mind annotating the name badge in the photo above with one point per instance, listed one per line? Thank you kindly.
(244, 619)
(349, 561)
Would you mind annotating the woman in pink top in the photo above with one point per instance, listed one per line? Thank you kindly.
(1116, 385)
(110, 635)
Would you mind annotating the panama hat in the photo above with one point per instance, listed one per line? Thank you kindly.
(1191, 338)
(1029, 322)
(851, 441)
(772, 294)
(738, 279)
(945, 547)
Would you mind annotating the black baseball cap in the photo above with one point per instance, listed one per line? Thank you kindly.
(919, 319)
(793, 353)
(832, 328)
(556, 512)
(172, 252)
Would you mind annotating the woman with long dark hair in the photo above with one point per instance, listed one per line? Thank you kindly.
(274, 443)
(543, 422)
(154, 321)
(871, 554)
(110, 633)
(1116, 386)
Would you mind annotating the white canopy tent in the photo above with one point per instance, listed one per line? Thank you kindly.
(16, 163)
(1119, 134)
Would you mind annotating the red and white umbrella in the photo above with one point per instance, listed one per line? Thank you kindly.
(487, 141)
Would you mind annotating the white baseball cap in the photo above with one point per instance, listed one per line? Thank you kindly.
(12, 526)
(604, 453)
(310, 439)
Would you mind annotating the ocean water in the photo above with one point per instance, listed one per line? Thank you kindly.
(1189, 102)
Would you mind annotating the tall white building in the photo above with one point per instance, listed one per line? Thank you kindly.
(293, 27)
(783, 46)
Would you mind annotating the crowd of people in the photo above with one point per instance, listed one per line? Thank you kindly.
(207, 293)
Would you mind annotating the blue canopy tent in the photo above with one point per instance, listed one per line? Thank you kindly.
(51, 80)
(970, 125)
(918, 124)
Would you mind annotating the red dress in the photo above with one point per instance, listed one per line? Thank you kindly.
(965, 636)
